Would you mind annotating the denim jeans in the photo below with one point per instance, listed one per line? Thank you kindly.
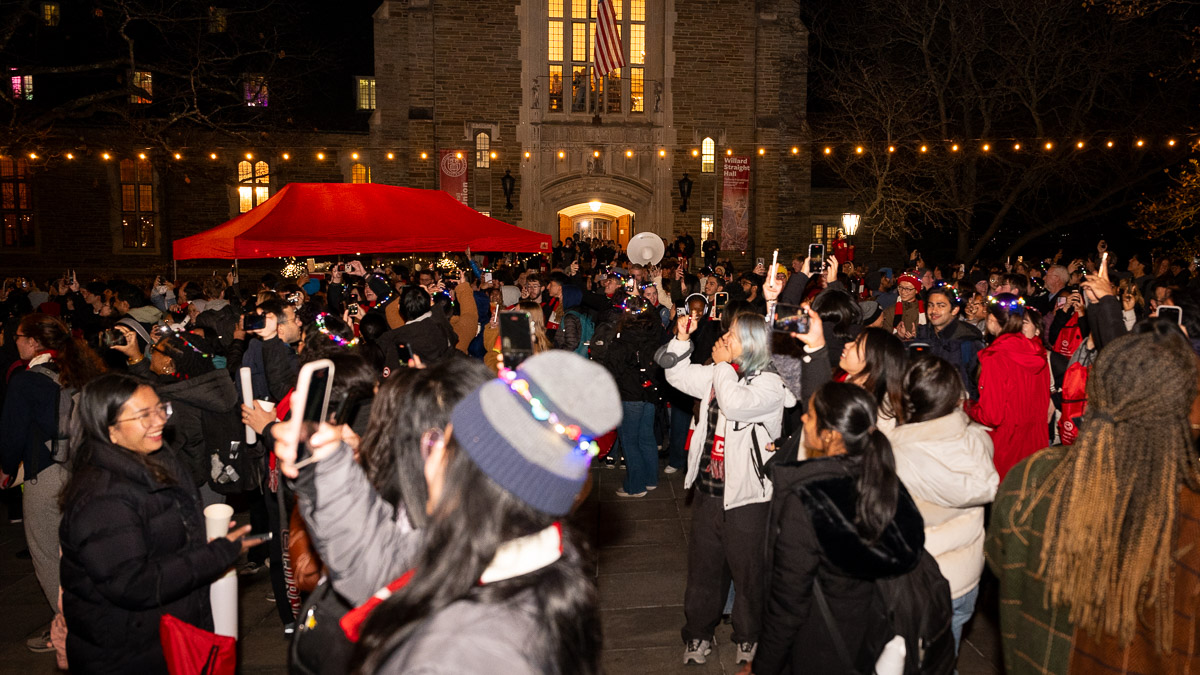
(964, 607)
(681, 420)
(637, 442)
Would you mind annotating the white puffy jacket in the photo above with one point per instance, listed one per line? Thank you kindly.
(751, 408)
(946, 464)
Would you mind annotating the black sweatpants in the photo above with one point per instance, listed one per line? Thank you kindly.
(724, 546)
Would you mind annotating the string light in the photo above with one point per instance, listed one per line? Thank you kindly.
(70, 156)
(249, 156)
(695, 153)
(391, 155)
(661, 153)
(924, 149)
(1049, 145)
(106, 156)
(320, 155)
(335, 338)
(33, 155)
(527, 155)
(954, 148)
(519, 386)
(828, 150)
(986, 147)
(492, 155)
(561, 154)
(1079, 145)
(629, 153)
(1140, 143)
(891, 148)
(424, 155)
(1110, 144)
(859, 150)
(212, 155)
(595, 153)
(795, 150)
(762, 151)
(729, 152)
(1171, 142)
(286, 156)
(458, 155)
(354, 155)
(141, 155)
(179, 156)
(1016, 146)
(1009, 305)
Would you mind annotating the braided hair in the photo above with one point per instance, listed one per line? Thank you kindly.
(1114, 499)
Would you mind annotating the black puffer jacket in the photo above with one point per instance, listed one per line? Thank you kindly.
(133, 549)
(812, 536)
(205, 413)
(630, 359)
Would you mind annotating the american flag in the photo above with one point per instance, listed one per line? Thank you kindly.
(609, 54)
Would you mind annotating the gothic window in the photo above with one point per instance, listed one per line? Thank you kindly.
(708, 156)
(138, 216)
(254, 184)
(360, 173)
(366, 93)
(483, 148)
(16, 208)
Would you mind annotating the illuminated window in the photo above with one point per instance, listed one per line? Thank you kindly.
(142, 79)
(483, 146)
(571, 39)
(818, 233)
(16, 208)
(707, 225)
(22, 87)
(255, 87)
(254, 184)
(360, 173)
(366, 93)
(137, 204)
(50, 13)
(218, 19)
(708, 156)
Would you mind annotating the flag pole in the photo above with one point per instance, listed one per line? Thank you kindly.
(599, 83)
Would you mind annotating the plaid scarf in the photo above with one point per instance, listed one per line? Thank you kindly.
(712, 458)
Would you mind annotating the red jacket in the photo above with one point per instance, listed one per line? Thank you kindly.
(1014, 397)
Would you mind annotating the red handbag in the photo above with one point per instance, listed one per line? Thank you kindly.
(194, 651)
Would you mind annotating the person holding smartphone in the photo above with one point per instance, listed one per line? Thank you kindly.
(133, 534)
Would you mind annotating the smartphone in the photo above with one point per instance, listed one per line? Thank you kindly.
(487, 277)
(762, 261)
(816, 257)
(254, 322)
(915, 348)
(788, 319)
(310, 405)
(1171, 313)
(516, 337)
(341, 267)
(681, 311)
(405, 354)
(719, 301)
(1062, 301)
(353, 308)
(255, 537)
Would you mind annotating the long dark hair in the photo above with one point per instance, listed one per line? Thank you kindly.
(473, 517)
(932, 389)
(408, 404)
(191, 354)
(839, 311)
(1008, 311)
(850, 411)
(883, 373)
(100, 403)
(77, 363)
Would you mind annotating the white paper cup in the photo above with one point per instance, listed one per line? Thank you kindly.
(216, 520)
(266, 405)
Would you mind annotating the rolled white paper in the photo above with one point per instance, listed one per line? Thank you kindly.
(248, 399)
(223, 596)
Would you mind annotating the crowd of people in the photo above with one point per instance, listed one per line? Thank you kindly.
(853, 469)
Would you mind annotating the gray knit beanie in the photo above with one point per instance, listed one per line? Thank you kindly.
(517, 442)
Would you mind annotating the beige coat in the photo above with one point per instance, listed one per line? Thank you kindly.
(946, 465)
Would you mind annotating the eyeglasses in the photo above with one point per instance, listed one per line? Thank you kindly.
(148, 416)
(906, 288)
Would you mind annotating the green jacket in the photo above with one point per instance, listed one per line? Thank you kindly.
(1036, 638)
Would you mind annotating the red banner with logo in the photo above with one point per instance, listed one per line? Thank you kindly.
(452, 167)
(735, 205)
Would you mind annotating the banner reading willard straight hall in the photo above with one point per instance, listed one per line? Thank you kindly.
(735, 205)
(453, 174)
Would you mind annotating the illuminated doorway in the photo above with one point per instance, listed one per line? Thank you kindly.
(597, 219)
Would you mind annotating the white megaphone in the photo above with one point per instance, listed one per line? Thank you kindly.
(645, 248)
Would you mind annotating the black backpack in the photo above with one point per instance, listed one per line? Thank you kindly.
(602, 339)
(918, 608)
(64, 410)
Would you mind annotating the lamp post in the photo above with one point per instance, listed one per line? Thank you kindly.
(508, 183)
(850, 223)
(685, 192)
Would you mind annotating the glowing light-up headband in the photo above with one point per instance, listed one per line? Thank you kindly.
(337, 339)
(584, 444)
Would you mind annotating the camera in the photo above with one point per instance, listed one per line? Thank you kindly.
(353, 308)
(112, 338)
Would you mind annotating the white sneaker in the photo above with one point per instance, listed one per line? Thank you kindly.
(696, 651)
(622, 493)
(746, 651)
(651, 487)
(670, 470)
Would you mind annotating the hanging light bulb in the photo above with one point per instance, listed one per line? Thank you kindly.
(1079, 145)
(595, 205)
(391, 155)
(986, 147)
(795, 150)
(954, 148)
(924, 149)
(249, 156)
(828, 150)
(859, 150)
(178, 156)
(891, 148)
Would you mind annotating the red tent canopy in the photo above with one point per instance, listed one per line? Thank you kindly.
(308, 219)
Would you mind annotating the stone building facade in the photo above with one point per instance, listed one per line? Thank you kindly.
(506, 87)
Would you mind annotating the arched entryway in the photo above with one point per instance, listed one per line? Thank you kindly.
(596, 218)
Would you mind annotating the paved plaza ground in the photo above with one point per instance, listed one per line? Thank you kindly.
(641, 549)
